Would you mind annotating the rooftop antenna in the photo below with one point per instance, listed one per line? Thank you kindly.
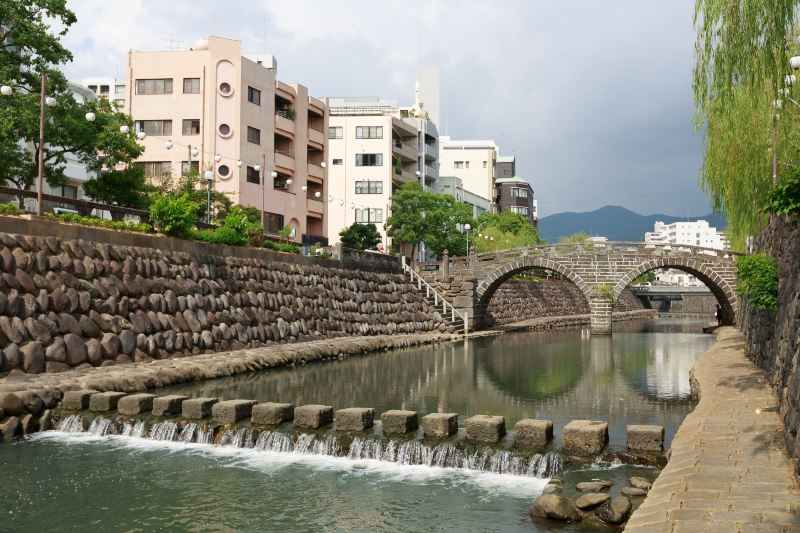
(173, 43)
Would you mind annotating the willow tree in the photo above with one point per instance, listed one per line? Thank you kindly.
(742, 51)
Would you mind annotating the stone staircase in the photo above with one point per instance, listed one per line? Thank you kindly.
(455, 321)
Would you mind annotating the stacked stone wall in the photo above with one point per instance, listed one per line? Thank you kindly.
(773, 341)
(67, 303)
(695, 304)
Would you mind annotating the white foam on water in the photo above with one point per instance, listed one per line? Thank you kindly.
(266, 461)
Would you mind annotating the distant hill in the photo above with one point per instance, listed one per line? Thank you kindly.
(612, 221)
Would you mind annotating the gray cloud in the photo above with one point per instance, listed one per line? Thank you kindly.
(594, 98)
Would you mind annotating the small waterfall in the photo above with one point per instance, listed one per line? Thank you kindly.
(71, 424)
(187, 433)
(205, 435)
(163, 431)
(238, 438)
(133, 430)
(101, 426)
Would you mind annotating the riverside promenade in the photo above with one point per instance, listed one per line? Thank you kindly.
(728, 471)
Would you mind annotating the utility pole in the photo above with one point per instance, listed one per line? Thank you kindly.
(41, 148)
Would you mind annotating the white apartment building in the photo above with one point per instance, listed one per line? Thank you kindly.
(697, 233)
(110, 88)
(472, 161)
(374, 147)
(453, 186)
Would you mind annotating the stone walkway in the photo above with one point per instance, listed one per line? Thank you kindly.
(727, 470)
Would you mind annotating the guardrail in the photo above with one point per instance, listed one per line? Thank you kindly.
(593, 247)
(83, 207)
(415, 277)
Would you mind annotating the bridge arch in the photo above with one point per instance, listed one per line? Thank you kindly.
(487, 287)
(720, 288)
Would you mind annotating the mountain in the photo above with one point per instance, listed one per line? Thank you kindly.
(614, 222)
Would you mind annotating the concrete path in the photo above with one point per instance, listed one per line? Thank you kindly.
(727, 470)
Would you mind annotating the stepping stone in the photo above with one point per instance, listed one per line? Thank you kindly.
(135, 404)
(168, 405)
(354, 419)
(593, 486)
(105, 401)
(272, 414)
(440, 425)
(231, 411)
(313, 416)
(640, 483)
(632, 491)
(397, 422)
(485, 429)
(585, 437)
(532, 433)
(592, 499)
(75, 400)
(647, 438)
(196, 408)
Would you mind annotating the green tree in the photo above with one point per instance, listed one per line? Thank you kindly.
(127, 187)
(195, 188)
(436, 219)
(574, 238)
(360, 236)
(29, 50)
(499, 231)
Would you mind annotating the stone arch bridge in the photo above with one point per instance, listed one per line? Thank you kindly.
(600, 270)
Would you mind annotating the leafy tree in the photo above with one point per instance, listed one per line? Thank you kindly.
(647, 277)
(499, 231)
(418, 215)
(574, 238)
(360, 236)
(127, 187)
(29, 50)
(174, 215)
(195, 188)
(784, 199)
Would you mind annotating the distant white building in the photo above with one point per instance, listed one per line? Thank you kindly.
(453, 186)
(697, 233)
(111, 89)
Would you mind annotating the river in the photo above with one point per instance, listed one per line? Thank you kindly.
(60, 481)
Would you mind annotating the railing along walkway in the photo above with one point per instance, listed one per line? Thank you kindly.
(429, 290)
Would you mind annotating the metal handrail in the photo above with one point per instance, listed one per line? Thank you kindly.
(436, 296)
(609, 244)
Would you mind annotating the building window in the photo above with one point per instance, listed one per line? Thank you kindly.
(369, 216)
(254, 95)
(156, 168)
(186, 167)
(485, 164)
(369, 187)
(191, 85)
(518, 192)
(225, 88)
(224, 171)
(120, 103)
(335, 132)
(458, 164)
(369, 132)
(104, 89)
(369, 160)
(273, 223)
(154, 127)
(253, 135)
(336, 162)
(119, 89)
(93, 88)
(69, 191)
(520, 210)
(252, 175)
(191, 126)
(224, 130)
(155, 86)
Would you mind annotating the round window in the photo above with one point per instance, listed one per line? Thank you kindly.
(225, 88)
(224, 170)
(224, 130)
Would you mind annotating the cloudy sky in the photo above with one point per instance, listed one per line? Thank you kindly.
(594, 98)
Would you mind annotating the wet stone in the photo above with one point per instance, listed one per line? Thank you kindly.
(168, 405)
(196, 408)
(104, 401)
(398, 422)
(554, 507)
(231, 411)
(272, 414)
(585, 437)
(592, 499)
(135, 404)
(485, 429)
(75, 400)
(354, 418)
(645, 437)
(593, 486)
(533, 433)
(313, 416)
(440, 425)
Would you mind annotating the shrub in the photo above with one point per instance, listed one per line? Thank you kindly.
(174, 215)
(281, 247)
(10, 209)
(123, 225)
(784, 198)
(758, 280)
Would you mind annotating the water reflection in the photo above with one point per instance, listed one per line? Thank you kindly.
(640, 375)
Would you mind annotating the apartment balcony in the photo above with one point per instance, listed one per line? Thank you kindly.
(311, 240)
(284, 161)
(316, 171)
(405, 127)
(316, 137)
(403, 176)
(284, 124)
(315, 207)
(405, 151)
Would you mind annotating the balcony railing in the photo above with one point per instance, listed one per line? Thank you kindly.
(314, 239)
(315, 170)
(316, 136)
(284, 160)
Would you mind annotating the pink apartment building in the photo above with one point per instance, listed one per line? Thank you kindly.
(215, 110)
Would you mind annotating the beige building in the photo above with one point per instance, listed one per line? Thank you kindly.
(212, 109)
(472, 161)
(375, 147)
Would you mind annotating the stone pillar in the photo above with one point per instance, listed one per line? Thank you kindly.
(600, 308)
(444, 269)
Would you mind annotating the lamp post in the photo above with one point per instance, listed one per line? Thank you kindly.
(467, 227)
(209, 176)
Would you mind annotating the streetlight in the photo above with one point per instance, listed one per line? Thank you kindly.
(467, 227)
(209, 176)
(5, 90)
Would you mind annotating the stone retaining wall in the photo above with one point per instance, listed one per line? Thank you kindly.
(74, 303)
(773, 342)
(518, 300)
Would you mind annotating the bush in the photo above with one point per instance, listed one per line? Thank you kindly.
(281, 247)
(123, 225)
(758, 280)
(10, 209)
(784, 198)
(174, 215)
